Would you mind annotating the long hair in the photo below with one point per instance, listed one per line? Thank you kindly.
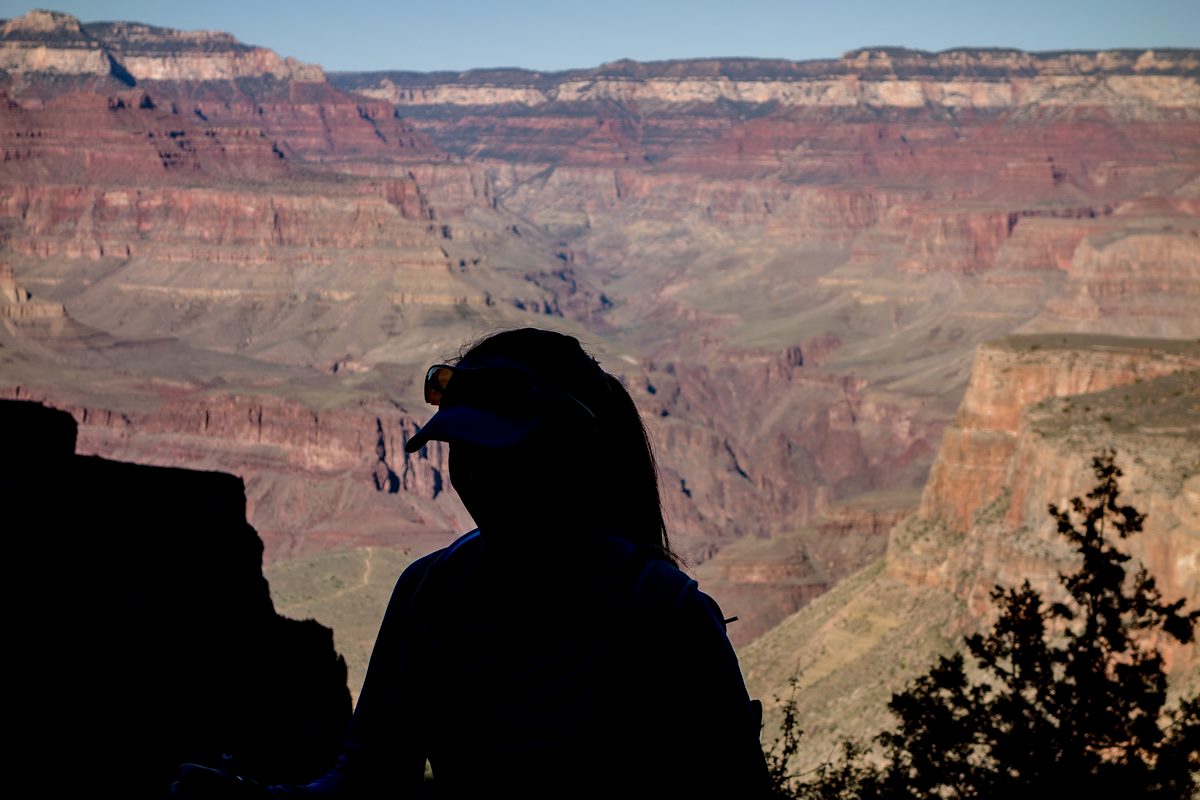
(611, 457)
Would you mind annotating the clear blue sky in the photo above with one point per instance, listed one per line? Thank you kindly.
(557, 34)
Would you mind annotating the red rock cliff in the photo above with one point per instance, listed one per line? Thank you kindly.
(1036, 410)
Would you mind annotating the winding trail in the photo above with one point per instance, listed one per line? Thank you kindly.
(362, 583)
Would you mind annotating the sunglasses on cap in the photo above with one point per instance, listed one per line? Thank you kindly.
(507, 390)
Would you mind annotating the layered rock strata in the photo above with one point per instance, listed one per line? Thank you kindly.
(891, 77)
(316, 480)
(789, 264)
(51, 42)
(1037, 410)
(1035, 407)
(1011, 166)
(974, 463)
(19, 307)
(764, 581)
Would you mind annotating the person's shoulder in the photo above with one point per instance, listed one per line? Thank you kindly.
(415, 573)
(664, 588)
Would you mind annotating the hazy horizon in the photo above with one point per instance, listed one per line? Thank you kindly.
(370, 35)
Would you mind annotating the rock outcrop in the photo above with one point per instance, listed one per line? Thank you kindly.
(316, 480)
(146, 633)
(1037, 410)
(1036, 406)
(974, 463)
(1141, 280)
(19, 308)
(58, 44)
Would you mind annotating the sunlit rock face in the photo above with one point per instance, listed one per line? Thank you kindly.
(55, 43)
(887, 77)
(1037, 409)
(1009, 377)
(244, 263)
(903, 205)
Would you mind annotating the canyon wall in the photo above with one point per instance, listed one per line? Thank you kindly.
(974, 462)
(50, 42)
(316, 480)
(1037, 410)
(222, 258)
(892, 77)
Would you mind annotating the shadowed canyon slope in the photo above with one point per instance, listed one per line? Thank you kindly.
(146, 633)
(219, 257)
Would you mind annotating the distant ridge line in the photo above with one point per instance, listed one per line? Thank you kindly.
(1000, 63)
(228, 57)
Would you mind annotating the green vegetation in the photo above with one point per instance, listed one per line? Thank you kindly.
(346, 590)
(1069, 697)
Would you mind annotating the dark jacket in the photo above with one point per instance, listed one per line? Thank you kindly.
(589, 672)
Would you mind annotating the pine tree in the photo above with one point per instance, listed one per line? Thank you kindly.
(1073, 698)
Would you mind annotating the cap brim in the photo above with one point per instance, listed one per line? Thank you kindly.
(473, 425)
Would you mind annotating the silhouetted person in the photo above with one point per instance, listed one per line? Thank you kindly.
(557, 651)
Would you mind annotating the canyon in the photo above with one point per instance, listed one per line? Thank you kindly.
(845, 294)
(1037, 409)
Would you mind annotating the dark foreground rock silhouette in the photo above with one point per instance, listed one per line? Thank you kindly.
(144, 631)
